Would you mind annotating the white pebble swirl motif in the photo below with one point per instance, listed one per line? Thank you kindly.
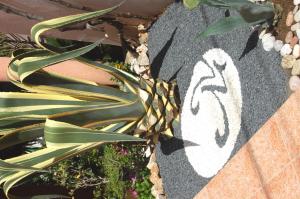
(211, 113)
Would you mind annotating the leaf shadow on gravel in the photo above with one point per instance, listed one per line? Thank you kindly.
(168, 146)
(251, 43)
(158, 60)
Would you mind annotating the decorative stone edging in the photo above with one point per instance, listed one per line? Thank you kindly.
(139, 60)
(157, 189)
(289, 49)
(291, 43)
(139, 63)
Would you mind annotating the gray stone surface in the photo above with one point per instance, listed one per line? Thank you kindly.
(173, 47)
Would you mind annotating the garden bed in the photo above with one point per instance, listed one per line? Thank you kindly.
(112, 171)
(249, 81)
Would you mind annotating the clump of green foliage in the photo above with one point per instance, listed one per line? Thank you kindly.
(80, 172)
(143, 186)
(112, 165)
(125, 169)
(109, 171)
(250, 14)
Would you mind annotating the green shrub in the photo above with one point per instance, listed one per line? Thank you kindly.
(110, 171)
(112, 165)
(79, 172)
(143, 186)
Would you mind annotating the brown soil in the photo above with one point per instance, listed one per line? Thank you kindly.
(281, 30)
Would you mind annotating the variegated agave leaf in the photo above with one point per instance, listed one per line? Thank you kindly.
(75, 115)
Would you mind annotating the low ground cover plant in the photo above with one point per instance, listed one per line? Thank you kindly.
(111, 171)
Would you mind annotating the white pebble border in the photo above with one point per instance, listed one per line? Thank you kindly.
(289, 49)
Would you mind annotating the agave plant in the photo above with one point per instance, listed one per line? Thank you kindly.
(250, 14)
(75, 115)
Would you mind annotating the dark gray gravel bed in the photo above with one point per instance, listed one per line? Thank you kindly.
(173, 47)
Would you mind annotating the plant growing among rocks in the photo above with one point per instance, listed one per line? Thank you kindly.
(250, 14)
(75, 115)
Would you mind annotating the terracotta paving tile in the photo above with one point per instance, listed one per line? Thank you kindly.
(238, 179)
(241, 175)
(288, 120)
(296, 164)
(218, 188)
(268, 151)
(286, 185)
(268, 166)
(261, 194)
(203, 194)
(293, 116)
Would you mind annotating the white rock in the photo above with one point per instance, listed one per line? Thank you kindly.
(161, 196)
(278, 45)
(268, 43)
(296, 51)
(296, 68)
(288, 61)
(130, 56)
(143, 38)
(297, 16)
(298, 33)
(145, 76)
(295, 27)
(138, 69)
(134, 66)
(262, 33)
(294, 83)
(143, 60)
(148, 152)
(296, 2)
(266, 36)
(152, 161)
(289, 19)
(295, 9)
(154, 191)
(142, 49)
(286, 50)
(289, 37)
(141, 27)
